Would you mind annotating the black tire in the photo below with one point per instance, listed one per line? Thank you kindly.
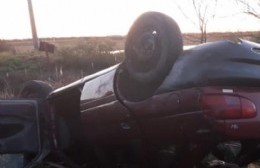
(35, 89)
(152, 46)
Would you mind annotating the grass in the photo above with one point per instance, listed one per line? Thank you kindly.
(66, 65)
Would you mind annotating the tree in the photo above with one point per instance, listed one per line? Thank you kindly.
(204, 10)
(250, 7)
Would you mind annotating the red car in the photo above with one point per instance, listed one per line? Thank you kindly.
(161, 107)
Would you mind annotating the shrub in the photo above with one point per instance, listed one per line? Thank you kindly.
(257, 37)
(91, 55)
(66, 65)
(4, 46)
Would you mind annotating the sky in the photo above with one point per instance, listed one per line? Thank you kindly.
(74, 18)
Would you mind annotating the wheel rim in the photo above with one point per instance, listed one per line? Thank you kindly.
(146, 45)
(145, 50)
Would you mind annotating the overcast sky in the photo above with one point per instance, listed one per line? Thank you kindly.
(71, 18)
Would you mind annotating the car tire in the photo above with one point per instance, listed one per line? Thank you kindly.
(35, 89)
(152, 46)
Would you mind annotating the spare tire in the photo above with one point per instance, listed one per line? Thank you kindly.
(152, 45)
(35, 89)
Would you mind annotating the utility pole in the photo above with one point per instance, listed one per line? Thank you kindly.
(33, 27)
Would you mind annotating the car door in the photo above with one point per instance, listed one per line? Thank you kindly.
(105, 120)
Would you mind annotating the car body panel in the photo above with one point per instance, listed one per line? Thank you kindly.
(104, 119)
(19, 126)
(222, 63)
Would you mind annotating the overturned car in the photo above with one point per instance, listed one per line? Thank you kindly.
(161, 107)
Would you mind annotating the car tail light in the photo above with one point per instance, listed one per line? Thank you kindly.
(227, 106)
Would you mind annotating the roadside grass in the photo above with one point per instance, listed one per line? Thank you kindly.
(67, 64)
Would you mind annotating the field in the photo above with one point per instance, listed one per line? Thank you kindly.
(73, 58)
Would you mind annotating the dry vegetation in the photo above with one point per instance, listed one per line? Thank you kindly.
(71, 60)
